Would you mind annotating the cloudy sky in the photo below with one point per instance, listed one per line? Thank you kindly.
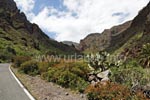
(74, 19)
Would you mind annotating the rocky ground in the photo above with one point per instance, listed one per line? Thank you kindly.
(43, 90)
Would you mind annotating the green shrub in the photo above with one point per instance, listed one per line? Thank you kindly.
(18, 60)
(1, 61)
(66, 79)
(5, 56)
(145, 56)
(44, 76)
(130, 73)
(29, 67)
(127, 76)
(71, 75)
(80, 69)
(43, 67)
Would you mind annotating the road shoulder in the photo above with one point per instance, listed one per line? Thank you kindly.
(43, 90)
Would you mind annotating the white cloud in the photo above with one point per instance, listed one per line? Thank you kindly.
(91, 16)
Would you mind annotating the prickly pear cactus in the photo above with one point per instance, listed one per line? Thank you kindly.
(99, 62)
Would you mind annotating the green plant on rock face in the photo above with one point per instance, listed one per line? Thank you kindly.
(99, 62)
(145, 56)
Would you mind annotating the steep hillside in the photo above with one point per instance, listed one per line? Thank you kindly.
(96, 41)
(117, 36)
(20, 37)
(139, 25)
(134, 46)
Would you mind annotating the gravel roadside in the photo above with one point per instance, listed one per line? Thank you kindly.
(43, 90)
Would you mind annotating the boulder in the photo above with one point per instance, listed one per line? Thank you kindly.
(91, 77)
(93, 83)
(106, 79)
(103, 74)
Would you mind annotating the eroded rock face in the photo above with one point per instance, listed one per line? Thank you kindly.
(100, 41)
(147, 25)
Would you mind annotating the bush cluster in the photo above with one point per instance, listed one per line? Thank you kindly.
(130, 73)
(111, 91)
(18, 60)
(74, 75)
(44, 66)
(26, 65)
(29, 67)
(71, 75)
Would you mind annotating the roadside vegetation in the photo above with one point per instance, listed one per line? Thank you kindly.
(128, 80)
(69, 75)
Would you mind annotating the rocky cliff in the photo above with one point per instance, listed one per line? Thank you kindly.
(100, 41)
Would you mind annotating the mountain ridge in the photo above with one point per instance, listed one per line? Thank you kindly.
(112, 39)
(99, 41)
(23, 37)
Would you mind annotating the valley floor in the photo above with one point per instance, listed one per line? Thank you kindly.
(43, 90)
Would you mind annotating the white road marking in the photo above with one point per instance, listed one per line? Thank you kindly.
(25, 90)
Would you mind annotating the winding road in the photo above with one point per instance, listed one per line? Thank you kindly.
(9, 88)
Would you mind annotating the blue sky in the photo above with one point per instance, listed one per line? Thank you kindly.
(40, 4)
(72, 20)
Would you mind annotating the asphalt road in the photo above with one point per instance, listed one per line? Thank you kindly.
(9, 88)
